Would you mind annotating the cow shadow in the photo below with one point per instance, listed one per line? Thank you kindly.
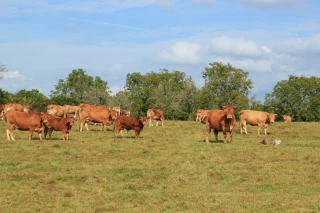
(212, 141)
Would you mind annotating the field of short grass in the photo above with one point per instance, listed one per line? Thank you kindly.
(167, 169)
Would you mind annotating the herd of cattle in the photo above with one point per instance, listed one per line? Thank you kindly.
(62, 118)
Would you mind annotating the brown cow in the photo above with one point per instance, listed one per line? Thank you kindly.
(114, 114)
(16, 107)
(155, 114)
(125, 112)
(221, 121)
(96, 114)
(256, 118)
(201, 114)
(128, 123)
(31, 121)
(1, 111)
(69, 109)
(58, 124)
(287, 118)
(55, 110)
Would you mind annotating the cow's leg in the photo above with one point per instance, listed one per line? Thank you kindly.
(30, 134)
(259, 128)
(161, 122)
(10, 135)
(50, 132)
(224, 137)
(208, 129)
(64, 135)
(45, 132)
(216, 135)
(40, 135)
(157, 123)
(150, 122)
(265, 130)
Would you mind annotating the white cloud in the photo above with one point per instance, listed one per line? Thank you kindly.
(301, 45)
(225, 45)
(11, 74)
(181, 53)
(272, 3)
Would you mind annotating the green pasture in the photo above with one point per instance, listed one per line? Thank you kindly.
(167, 169)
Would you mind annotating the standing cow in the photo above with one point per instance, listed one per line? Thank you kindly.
(96, 114)
(155, 114)
(16, 107)
(70, 109)
(128, 123)
(58, 124)
(287, 118)
(31, 121)
(221, 121)
(255, 118)
(56, 110)
(201, 114)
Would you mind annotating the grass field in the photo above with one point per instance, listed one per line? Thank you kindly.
(168, 169)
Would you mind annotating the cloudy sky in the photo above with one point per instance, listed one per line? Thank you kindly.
(42, 41)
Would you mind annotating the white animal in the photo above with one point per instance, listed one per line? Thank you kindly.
(276, 142)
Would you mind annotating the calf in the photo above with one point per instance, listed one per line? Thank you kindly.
(31, 121)
(287, 118)
(128, 123)
(256, 118)
(125, 112)
(221, 121)
(58, 124)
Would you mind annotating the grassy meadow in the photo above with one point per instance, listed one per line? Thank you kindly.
(167, 169)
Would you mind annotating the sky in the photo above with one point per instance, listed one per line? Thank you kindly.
(42, 41)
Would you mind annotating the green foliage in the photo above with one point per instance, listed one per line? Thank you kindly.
(298, 97)
(224, 85)
(4, 96)
(168, 91)
(35, 99)
(81, 88)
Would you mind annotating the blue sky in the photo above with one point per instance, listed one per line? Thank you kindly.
(42, 41)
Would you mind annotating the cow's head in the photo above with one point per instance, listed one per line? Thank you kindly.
(272, 117)
(229, 111)
(26, 108)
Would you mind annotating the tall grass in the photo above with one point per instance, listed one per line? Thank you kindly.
(167, 169)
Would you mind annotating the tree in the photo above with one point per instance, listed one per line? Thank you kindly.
(225, 85)
(3, 69)
(35, 99)
(81, 88)
(298, 97)
(4, 96)
(164, 90)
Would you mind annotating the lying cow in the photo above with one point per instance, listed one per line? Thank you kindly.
(155, 114)
(255, 118)
(58, 124)
(287, 118)
(128, 123)
(221, 121)
(31, 121)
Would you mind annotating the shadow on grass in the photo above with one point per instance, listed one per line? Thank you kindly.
(212, 141)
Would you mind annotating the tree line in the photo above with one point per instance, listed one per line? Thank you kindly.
(177, 94)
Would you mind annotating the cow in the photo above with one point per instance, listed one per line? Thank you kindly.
(114, 114)
(58, 124)
(16, 107)
(56, 110)
(287, 118)
(201, 114)
(125, 112)
(31, 121)
(1, 111)
(128, 123)
(255, 118)
(221, 121)
(69, 109)
(116, 108)
(96, 114)
(155, 114)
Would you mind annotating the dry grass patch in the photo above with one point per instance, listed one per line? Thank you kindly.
(168, 169)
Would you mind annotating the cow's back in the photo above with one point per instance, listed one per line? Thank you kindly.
(253, 117)
(24, 120)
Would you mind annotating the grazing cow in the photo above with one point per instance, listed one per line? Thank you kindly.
(114, 114)
(16, 107)
(69, 109)
(128, 123)
(125, 112)
(58, 124)
(155, 114)
(31, 121)
(221, 121)
(56, 110)
(201, 114)
(256, 118)
(96, 114)
(286, 118)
